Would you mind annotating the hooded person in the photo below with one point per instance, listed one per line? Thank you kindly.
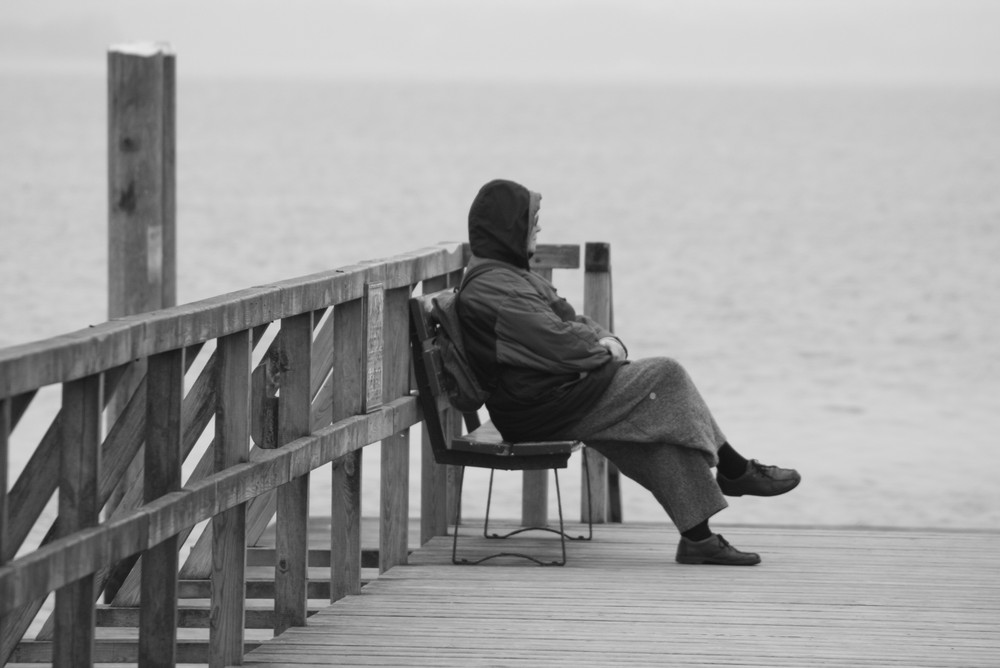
(554, 374)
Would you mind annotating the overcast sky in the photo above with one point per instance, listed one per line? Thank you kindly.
(951, 41)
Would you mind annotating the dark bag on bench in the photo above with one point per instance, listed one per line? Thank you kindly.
(460, 384)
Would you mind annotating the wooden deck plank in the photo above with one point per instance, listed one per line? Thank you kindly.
(821, 597)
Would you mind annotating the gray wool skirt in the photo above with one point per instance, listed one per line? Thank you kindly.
(653, 424)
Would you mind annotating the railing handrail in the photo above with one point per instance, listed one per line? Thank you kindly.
(96, 349)
(87, 547)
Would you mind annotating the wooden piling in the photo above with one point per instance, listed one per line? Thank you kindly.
(142, 272)
(142, 257)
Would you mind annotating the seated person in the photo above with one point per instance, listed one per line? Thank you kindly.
(555, 375)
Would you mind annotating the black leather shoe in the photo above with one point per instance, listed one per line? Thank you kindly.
(713, 550)
(759, 480)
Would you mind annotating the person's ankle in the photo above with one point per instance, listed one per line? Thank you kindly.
(698, 533)
(731, 463)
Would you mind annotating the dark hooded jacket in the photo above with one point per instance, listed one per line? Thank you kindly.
(543, 362)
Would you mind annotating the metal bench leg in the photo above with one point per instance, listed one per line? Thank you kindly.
(466, 562)
(561, 531)
(458, 515)
(590, 502)
(489, 498)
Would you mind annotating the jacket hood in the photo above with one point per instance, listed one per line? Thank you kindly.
(500, 221)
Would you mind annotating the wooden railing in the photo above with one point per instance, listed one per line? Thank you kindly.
(338, 380)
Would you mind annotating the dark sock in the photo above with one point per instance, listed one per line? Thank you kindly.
(731, 463)
(699, 532)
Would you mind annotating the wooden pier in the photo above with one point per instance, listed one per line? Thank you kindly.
(294, 376)
(821, 597)
(193, 430)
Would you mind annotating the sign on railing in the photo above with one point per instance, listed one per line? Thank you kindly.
(374, 345)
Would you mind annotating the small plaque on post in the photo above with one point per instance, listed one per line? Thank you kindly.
(374, 344)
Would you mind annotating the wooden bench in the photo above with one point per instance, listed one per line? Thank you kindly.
(482, 446)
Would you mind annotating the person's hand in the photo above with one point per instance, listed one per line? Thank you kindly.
(614, 347)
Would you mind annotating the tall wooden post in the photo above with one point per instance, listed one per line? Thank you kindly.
(597, 304)
(142, 257)
(142, 273)
(535, 484)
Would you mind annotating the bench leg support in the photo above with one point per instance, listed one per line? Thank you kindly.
(561, 531)
(590, 520)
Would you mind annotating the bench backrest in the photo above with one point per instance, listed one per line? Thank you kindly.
(428, 371)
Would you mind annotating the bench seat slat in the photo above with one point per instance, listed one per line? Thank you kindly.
(487, 440)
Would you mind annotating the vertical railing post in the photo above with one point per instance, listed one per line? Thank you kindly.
(345, 499)
(5, 429)
(535, 484)
(79, 471)
(597, 304)
(6, 552)
(292, 539)
(232, 437)
(395, 482)
(433, 476)
(142, 259)
(161, 475)
(453, 426)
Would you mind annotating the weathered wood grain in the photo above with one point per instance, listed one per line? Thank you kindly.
(395, 464)
(294, 402)
(830, 597)
(142, 271)
(345, 488)
(118, 651)
(178, 511)
(27, 367)
(232, 438)
(34, 575)
(261, 510)
(556, 256)
(35, 486)
(161, 476)
(596, 305)
(6, 423)
(80, 452)
(198, 409)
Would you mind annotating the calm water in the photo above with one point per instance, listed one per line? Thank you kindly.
(822, 260)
